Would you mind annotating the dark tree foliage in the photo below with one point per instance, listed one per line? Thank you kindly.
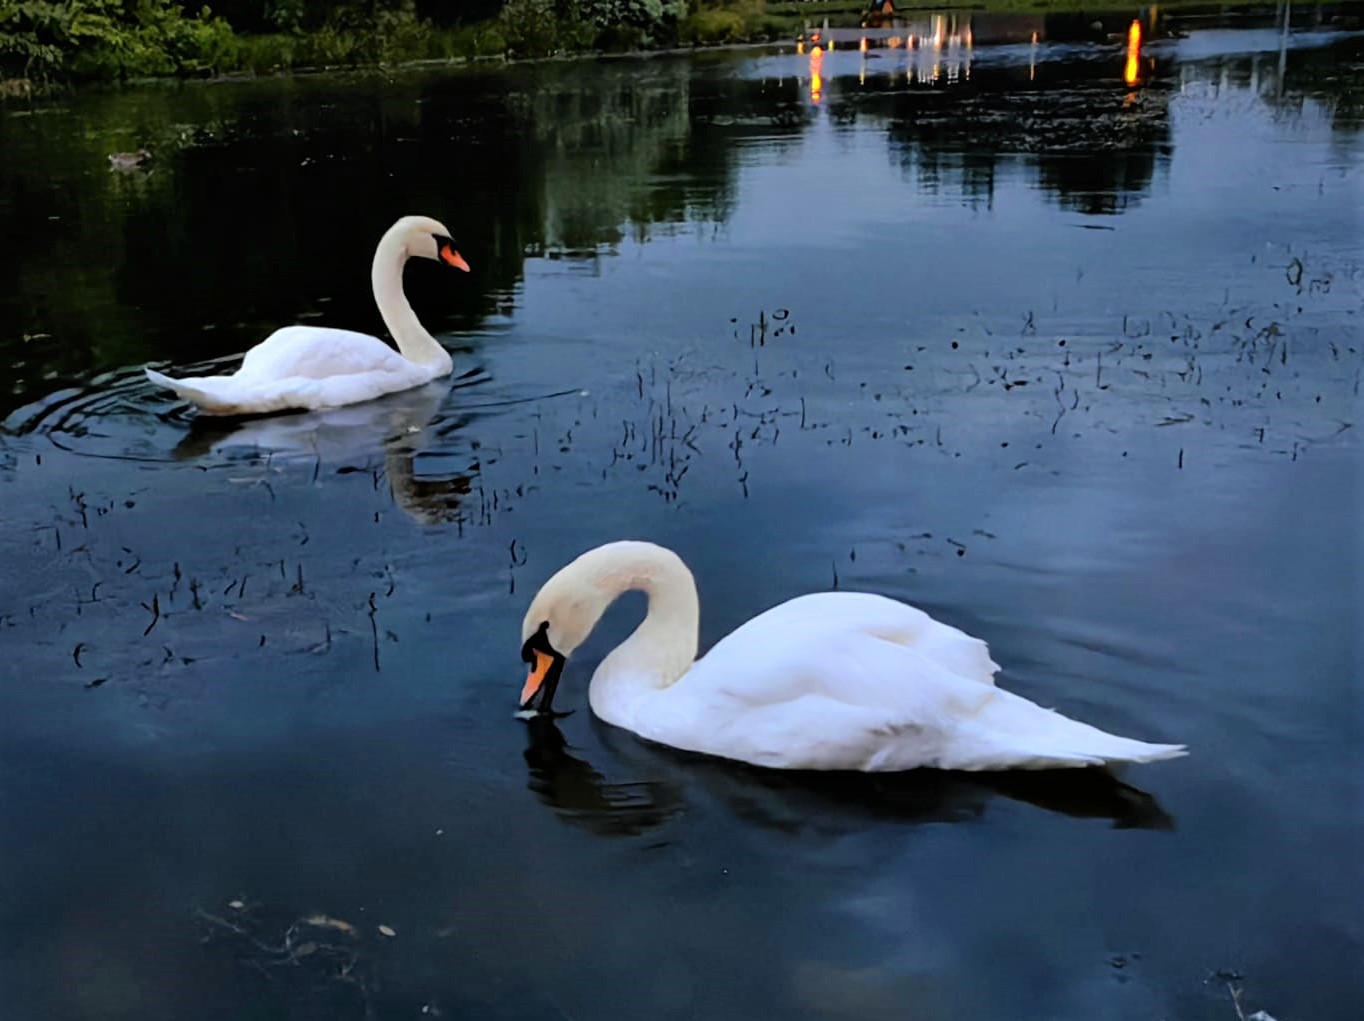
(448, 13)
(72, 40)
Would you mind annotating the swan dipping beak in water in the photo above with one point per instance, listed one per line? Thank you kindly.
(310, 368)
(828, 681)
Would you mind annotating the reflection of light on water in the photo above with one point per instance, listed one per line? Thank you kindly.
(1131, 69)
(816, 80)
(1032, 59)
(936, 47)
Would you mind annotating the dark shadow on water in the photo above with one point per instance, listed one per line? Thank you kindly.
(585, 797)
(801, 801)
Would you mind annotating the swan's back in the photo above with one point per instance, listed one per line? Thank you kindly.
(865, 613)
(315, 352)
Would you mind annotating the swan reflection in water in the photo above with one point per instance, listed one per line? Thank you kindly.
(794, 801)
(585, 797)
(398, 427)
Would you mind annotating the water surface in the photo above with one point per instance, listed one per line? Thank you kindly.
(1071, 362)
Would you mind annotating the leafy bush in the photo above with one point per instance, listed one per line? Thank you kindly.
(535, 28)
(30, 39)
(714, 26)
(732, 22)
(109, 39)
(53, 40)
(532, 28)
(285, 15)
(481, 40)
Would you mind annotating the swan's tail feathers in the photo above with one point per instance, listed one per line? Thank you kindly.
(211, 394)
(1013, 733)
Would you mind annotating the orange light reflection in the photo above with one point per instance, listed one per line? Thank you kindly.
(1132, 68)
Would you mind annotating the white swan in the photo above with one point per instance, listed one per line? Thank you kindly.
(313, 367)
(833, 680)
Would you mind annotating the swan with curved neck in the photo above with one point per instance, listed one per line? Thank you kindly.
(309, 368)
(831, 680)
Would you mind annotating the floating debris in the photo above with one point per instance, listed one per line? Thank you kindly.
(327, 922)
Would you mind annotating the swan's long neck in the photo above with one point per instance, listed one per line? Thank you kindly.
(663, 647)
(386, 277)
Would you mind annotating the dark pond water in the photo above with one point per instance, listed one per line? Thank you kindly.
(1071, 363)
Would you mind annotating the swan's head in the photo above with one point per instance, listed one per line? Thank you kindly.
(561, 616)
(559, 620)
(568, 606)
(425, 238)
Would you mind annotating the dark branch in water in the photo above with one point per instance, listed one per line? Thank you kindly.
(155, 611)
(374, 631)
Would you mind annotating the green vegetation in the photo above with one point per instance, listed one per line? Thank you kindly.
(81, 40)
(59, 41)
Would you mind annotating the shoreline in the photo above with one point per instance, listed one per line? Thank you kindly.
(28, 89)
(23, 88)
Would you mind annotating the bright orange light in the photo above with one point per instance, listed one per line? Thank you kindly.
(816, 87)
(1131, 68)
(863, 44)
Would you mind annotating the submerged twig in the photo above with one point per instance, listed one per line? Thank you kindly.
(155, 611)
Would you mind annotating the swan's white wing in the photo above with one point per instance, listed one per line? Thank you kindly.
(302, 367)
(317, 352)
(817, 697)
(817, 687)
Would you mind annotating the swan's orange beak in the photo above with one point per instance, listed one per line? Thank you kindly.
(538, 672)
(452, 258)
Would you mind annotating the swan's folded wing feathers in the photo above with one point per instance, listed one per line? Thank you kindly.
(826, 695)
(316, 352)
